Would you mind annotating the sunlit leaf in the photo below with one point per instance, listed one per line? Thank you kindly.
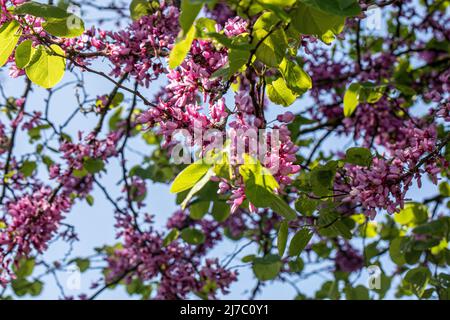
(49, 68)
(9, 36)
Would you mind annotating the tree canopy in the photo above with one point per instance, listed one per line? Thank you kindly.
(311, 134)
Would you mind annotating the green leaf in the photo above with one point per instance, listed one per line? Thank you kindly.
(359, 292)
(371, 93)
(220, 211)
(198, 209)
(41, 10)
(181, 49)
(192, 236)
(417, 280)
(359, 156)
(20, 286)
(421, 245)
(281, 3)
(440, 247)
(296, 265)
(58, 21)
(197, 187)
(205, 27)
(90, 200)
(267, 268)
(113, 122)
(299, 242)
(305, 205)
(93, 165)
(82, 264)
(436, 227)
(69, 27)
(117, 99)
(23, 54)
(49, 69)
(239, 42)
(223, 72)
(396, 251)
(310, 20)
(252, 169)
(344, 8)
(189, 11)
(282, 237)
(190, 176)
(80, 173)
(412, 214)
(139, 8)
(296, 78)
(35, 55)
(237, 59)
(322, 178)
(35, 288)
(10, 33)
(24, 267)
(369, 229)
(406, 90)
(329, 289)
(279, 93)
(259, 188)
(135, 286)
(28, 168)
(360, 93)
(271, 49)
(171, 237)
(351, 99)
(412, 256)
(222, 167)
(385, 285)
(271, 46)
(329, 36)
(331, 224)
(262, 198)
(444, 189)
(63, 4)
(248, 258)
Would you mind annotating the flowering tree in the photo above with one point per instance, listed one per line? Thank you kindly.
(201, 85)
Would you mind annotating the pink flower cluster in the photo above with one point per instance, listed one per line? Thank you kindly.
(137, 50)
(3, 139)
(279, 155)
(4, 13)
(387, 126)
(444, 111)
(75, 155)
(178, 265)
(221, 12)
(348, 259)
(31, 222)
(179, 108)
(385, 183)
